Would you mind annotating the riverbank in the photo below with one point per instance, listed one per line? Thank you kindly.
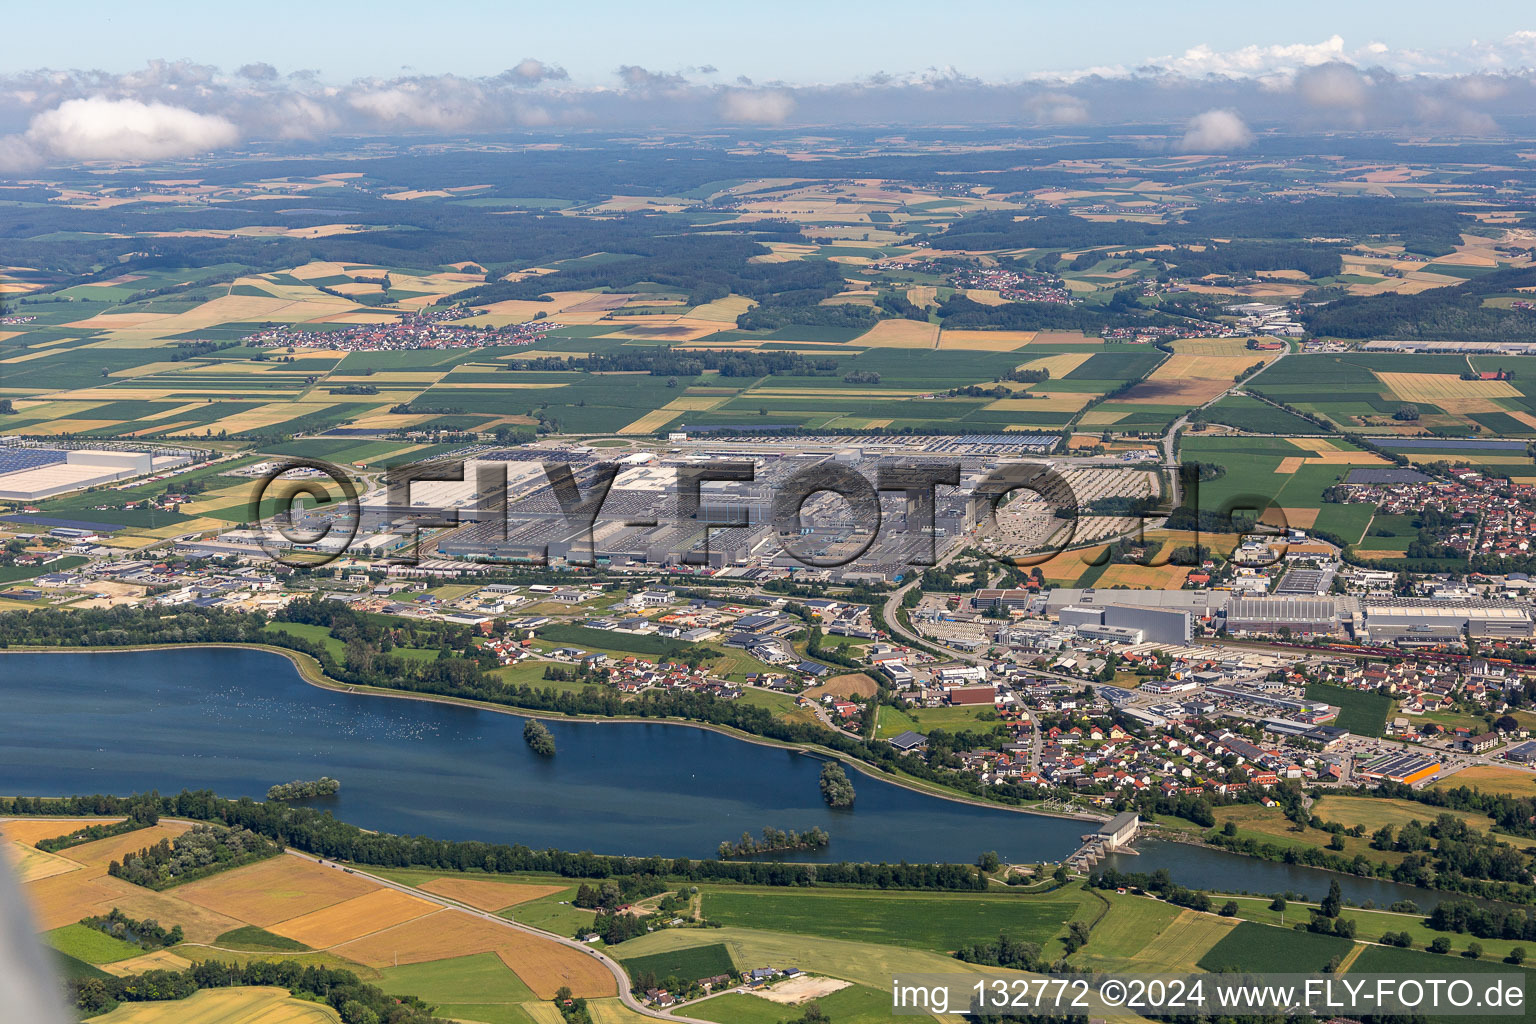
(310, 671)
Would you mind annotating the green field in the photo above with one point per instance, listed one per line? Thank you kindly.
(857, 1004)
(939, 923)
(684, 964)
(473, 988)
(259, 940)
(90, 945)
(1362, 713)
(1413, 963)
(1257, 947)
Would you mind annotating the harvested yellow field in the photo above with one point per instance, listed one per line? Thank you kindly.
(1101, 417)
(723, 311)
(1448, 390)
(29, 356)
(1319, 445)
(33, 830)
(96, 856)
(1059, 365)
(1526, 418)
(29, 865)
(273, 890)
(922, 294)
(900, 334)
(612, 1011)
(1290, 464)
(1046, 402)
(354, 918)
(159, 960)
(695, 403)
(650, 422)
(1345, 459)
(1187, 938)
(544, 965)
(985, 296)
(1491, 779)
(1144, 577)
(66, 898)
(251, 1005)
(108, 321)
(987, 341)
(199, 923)
(1301, 517)
(266, 415)
(546, 1013)
(487, 895)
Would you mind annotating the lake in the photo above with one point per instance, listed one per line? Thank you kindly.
(238, 721)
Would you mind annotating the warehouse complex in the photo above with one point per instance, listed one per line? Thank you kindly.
(31, 474)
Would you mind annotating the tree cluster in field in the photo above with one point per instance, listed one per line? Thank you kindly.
(1486, 922)
(1247, 258)
(354, 1001)
(1005, 952)
(319, 833)
(146, 934)
(663, 361)
(304, 789)
(609, 896)
(200, 851)
(775, 841)
(836, 790)
(1159, 884)
(142, 816)
(539, 739)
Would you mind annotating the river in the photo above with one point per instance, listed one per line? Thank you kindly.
(237, 721)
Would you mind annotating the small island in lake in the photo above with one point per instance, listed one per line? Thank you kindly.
(774, 841)
(538, 738)
(836, 790)
(303, 789)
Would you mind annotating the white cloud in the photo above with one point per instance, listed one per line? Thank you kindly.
(1252, 60)
(98, 128)
(1058, 108)
(1215, 131)
(756, 106)
(1333, 86)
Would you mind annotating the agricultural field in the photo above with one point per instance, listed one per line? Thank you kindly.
(1491, 779)
(1256, 947)
(290, 906)
(1281, 473)
(689, 964)
(856, 1004)
(225, 1006)
(940, 924)
(1362, 713)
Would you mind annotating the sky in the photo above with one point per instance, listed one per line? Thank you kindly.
(791, 41)
(163, 81)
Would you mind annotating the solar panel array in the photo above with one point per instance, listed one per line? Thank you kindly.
(14, 460)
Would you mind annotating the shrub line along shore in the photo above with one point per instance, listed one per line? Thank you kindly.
(309, 670)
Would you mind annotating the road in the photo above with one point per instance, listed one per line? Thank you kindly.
(1170, 442)
(614, 967)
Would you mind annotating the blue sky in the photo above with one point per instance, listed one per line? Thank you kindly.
(793, 41)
